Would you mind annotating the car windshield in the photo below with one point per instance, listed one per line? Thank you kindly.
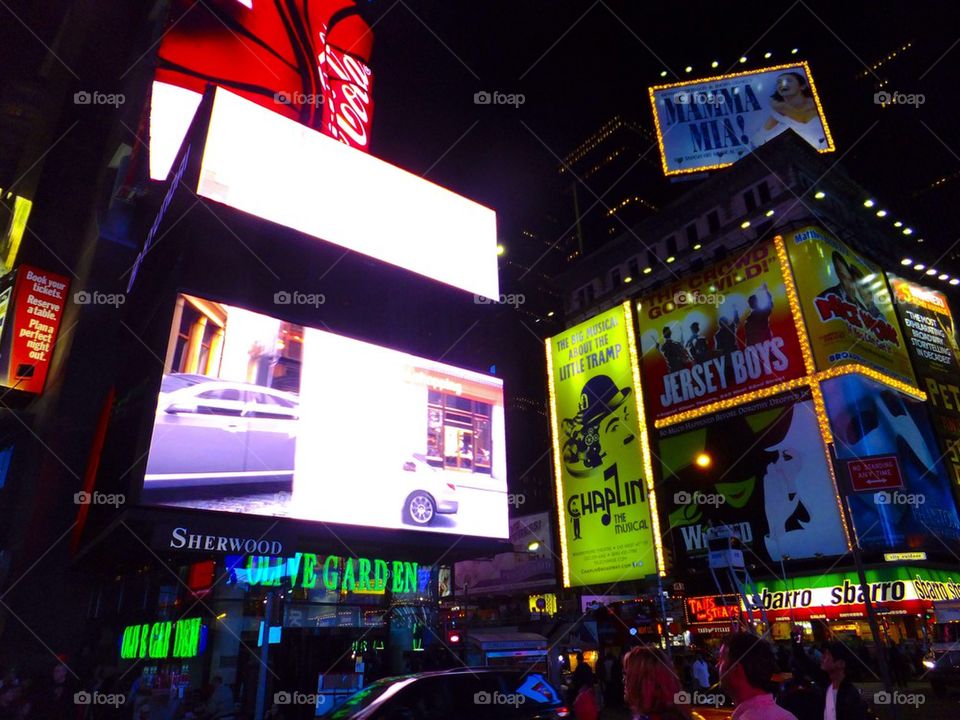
(178, 382)
(364, 698)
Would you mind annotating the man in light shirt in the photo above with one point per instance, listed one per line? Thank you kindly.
(746, 666)
(701, 674)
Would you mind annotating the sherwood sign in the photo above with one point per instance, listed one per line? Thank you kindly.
(182, 539)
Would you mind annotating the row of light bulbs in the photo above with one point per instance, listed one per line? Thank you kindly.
(716, 63)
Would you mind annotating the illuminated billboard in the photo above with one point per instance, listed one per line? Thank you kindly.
(31, 310)
(885, 445)
(523, 569)
(931, 335)
(264, 417)
(601, 453)
(306, 61)
(719, 333)
(760, 468)
(14, 212)
(713, 122)
(846, 305)
(270, 166)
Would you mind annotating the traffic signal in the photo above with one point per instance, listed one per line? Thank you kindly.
(454, 637)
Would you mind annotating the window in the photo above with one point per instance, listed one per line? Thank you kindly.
(615, 278)
(459, 433)
(633, 267)
(590, 294)
(651, 258)
(580, 299)
(671, 246)
(713, 221)
(749, 201)
(763, 190)
(692, 234)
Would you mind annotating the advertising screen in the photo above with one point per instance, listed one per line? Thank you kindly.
(30, 315)
(932, 339)
(713, 122)
(350, 199)
(885, 445)
(846, 305)
(600, 443)
(306, 61)
(760, 468)
(520, 570)
(260, 416)
(719, 333)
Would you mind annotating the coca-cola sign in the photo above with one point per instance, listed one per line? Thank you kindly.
(305, 60)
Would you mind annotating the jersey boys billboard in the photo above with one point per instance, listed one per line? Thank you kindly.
(306, 61)
(711, 123)
(599, 448)
(264, 417)
(762, 469)
(932, 338)
(722, 332)
(846, 305)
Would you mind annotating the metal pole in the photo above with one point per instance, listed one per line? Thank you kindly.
(663, 616)
(264, 653)
(871, 612)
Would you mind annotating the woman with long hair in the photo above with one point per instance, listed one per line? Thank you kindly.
(651, 685)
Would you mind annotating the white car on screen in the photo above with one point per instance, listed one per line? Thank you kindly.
(210, 433)
(427, 492)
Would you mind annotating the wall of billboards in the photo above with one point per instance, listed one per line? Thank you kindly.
(779, 386)
(259, 416)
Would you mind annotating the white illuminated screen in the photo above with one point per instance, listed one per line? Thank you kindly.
(275, 168)
(275, 419)
(171, 111)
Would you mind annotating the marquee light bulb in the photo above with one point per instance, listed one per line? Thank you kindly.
(703, 460)
(868, 203)
(919, 266)
(715, 64)
(906, 261)
(743, 58)
(881, 213)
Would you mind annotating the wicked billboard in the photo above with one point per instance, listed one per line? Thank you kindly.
(932, 339)
(846, 305)
(885, 446)
(760, 468)
(719, 333)
(600, 445)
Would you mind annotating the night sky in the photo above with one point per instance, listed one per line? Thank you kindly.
(580, 63)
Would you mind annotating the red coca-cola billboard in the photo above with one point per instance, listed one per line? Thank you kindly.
(306, 60)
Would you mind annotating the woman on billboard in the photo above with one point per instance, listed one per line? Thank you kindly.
(792, 106)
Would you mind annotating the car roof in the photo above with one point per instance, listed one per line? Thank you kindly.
(476, 670)
(198, 379)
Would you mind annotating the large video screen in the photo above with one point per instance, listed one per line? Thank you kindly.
(713, 122)
(344, 197)
(260, 416)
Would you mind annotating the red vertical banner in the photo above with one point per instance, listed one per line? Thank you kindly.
(31, 328)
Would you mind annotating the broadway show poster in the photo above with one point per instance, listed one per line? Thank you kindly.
(932, 339)
(719, 333)
(601, 487)
(760, 468)
(885, 446)
(846, 305)
(713, 122)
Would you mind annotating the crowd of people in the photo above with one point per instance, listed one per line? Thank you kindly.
(763, 681)
(107, 694)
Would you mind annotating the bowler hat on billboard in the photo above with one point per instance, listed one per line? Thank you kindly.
(600, 397)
